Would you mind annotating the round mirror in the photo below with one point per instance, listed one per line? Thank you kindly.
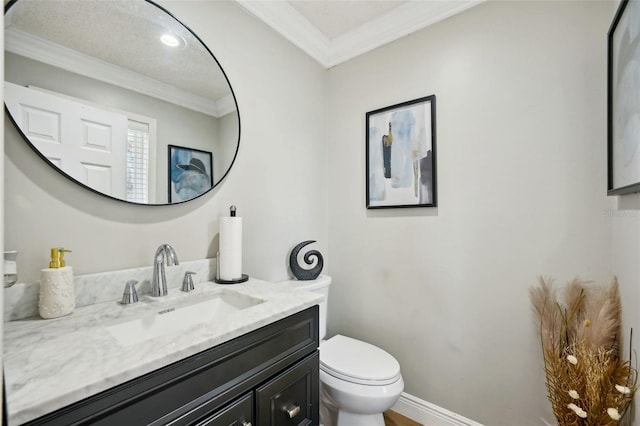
(120, 97)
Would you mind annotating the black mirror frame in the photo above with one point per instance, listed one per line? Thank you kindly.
(215, 184)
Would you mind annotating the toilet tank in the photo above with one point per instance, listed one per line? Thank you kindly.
(321, 286)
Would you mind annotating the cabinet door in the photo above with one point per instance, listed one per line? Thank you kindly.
(238, 413)
(292, 397)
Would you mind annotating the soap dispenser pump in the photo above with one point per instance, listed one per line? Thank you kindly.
(57, 296)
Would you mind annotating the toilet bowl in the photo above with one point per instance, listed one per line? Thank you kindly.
(358, 381)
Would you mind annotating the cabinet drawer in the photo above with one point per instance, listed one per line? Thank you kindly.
(291, 398)
(238, 413)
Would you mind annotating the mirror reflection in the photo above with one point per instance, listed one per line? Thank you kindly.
(119, 96)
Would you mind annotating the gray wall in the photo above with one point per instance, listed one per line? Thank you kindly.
(521, 141)
(625, 216)
(277, 181)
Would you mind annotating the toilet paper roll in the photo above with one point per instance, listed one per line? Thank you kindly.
(230, 248)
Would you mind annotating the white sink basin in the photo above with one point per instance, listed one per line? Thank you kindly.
(172, 318)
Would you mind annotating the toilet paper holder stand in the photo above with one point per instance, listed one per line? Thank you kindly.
(219, 280)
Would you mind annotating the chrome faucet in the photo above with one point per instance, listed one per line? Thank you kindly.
(159, 281)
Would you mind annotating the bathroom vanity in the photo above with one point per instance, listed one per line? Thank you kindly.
(255, 365)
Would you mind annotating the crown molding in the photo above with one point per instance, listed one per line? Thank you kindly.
(36, 48)
(225, 105)
(287, 21)
(397, 23)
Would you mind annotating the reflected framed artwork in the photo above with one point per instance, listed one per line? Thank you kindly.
(401, 155)
(190, 173)
(623, 103)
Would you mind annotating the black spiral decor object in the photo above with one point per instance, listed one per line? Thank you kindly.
(298, 271)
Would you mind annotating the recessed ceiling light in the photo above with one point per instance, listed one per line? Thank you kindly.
(170, 40)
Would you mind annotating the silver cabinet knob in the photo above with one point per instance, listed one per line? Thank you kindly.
(246, 423)
(292, 410)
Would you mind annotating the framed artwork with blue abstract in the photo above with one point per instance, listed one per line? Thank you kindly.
(623, 118)
(190, 173)
(401, 155)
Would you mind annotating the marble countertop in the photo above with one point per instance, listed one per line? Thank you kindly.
(53, 363)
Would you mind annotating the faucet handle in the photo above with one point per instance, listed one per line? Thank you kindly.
(130, 294)
(187, 281)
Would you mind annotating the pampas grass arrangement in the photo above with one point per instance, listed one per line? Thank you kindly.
(587, 381)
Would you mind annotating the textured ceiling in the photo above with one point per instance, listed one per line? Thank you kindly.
(126, 34)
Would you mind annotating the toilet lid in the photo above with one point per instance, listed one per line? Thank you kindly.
(358, 362)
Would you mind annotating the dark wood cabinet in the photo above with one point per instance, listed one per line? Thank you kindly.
(238, 413)
(268, 377)
(291, 398)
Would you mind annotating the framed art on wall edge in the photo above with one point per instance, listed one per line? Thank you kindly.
(401, 155)
(623, 103)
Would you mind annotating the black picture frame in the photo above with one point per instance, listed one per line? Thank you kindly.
(189, 173)
(401, 155)
(623, 108)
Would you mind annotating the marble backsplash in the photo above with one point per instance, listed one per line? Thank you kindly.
(21, 300)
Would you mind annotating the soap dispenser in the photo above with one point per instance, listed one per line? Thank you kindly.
(57, 296)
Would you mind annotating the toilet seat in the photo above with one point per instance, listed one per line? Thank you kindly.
(358, 362)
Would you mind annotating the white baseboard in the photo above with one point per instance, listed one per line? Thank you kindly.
(429, 414)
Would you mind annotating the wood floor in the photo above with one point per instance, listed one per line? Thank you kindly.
(391, 418)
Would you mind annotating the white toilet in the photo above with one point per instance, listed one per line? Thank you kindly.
(358, 381)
